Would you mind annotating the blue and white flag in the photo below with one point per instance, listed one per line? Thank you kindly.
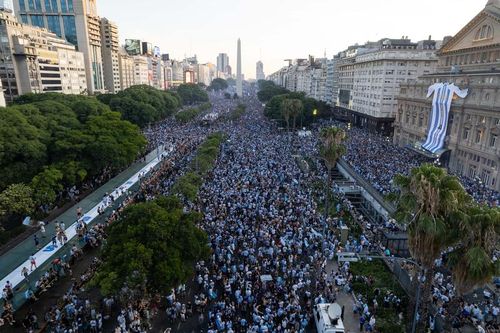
(441, 105)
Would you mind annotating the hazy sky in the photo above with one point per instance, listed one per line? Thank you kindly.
(274, 30)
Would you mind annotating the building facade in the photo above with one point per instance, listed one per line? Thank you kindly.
(223, 63)
(470, 60)
(141, 70)
(304, 75)
(370, 76)
(76, 21)
(259, 71)
(127, 70)
(34, 60)
(110, 55)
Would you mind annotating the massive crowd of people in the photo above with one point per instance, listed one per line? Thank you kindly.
(269, 263)
(378, 160)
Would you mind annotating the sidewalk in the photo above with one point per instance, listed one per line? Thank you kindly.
(13, 261)
(351, 321)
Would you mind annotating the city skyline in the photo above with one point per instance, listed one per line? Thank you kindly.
(272, 34)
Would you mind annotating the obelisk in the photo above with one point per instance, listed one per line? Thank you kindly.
(239, 79)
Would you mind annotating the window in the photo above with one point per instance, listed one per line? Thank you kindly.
(479, 136)
(493, 140)
(485, 32)
(37, 20)
(472, 171)
(486, 177)
(24, 18)
(51, 6)
(70, 29)
(54, 24)
(466, 134)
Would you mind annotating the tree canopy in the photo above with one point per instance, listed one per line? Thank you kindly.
(52, 141)
(142, 104)
(152, 248)
(268, 89)
(274, 96)
(191, 93)
(441, 215)
(218, 84)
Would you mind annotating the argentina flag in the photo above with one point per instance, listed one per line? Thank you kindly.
(441, 105)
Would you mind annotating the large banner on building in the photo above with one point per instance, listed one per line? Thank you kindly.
(133, 46)
(441, 105)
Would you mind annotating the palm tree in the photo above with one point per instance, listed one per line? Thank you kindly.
(470, 262)
(291, 108)
(286, 113)
(330, 151)
(431, 203)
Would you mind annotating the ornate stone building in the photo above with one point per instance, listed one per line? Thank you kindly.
(470, 60)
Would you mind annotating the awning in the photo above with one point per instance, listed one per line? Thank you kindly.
(417, 148)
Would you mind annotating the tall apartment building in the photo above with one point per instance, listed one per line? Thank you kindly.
(259, 71)
(127, 70)
(332, 81)
(141, 70)
(71, 66)
(223, 63)
(370, 76)
(470, 60)
(155, 72)
(110, 47)
(203, 74)
(76, 21)
(304, 75)
(34, 60)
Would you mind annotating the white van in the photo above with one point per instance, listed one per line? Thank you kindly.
(327, 318)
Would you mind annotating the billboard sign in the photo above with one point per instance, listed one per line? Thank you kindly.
(133, 47)
(147, 48)
(156, 52)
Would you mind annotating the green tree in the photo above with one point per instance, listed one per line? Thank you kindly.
(331, 150)
(286, 112)
(115, 143)
(433, 205)
(268, 90)
(478, 235)
(23, 149)
(218, 84)
(47, 185)
(152, 248)
(192, 93)
(16, 200)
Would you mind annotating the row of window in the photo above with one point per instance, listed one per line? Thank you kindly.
(478, 137)
(473, 58)
(51, 6)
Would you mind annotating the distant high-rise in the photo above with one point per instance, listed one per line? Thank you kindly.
(239, 78)
(35, 60)
(222, 63)
(75, 21)
(110, 55)
(6, 5)
(260, 71)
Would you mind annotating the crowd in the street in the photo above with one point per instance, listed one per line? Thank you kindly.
(269, 263)
(378, 161)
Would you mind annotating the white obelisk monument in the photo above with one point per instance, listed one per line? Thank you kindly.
(239, 78)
